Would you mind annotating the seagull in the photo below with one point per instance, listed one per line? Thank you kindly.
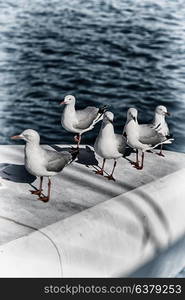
(80, 121)
(157, 131)
(109, 145)
(41, 162)
(132, 132)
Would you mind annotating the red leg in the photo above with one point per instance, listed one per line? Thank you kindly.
(142, 162)
(136, 164)
(100, 172)
(161, 152)
(110, 177)
(77, 139)
(46, 199)
(38, 192)
(49, 188)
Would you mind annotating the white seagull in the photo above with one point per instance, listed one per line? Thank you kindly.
(41, 162)
(109, 145)
(79, 121)
(132, 132)
(157, 132)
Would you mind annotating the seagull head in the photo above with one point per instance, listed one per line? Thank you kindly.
(132, 114)
(162, 110)
(28, 135)
(108, 117)
(69, 99)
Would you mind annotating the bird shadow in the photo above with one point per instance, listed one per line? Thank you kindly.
(86, 156)
(16, 173)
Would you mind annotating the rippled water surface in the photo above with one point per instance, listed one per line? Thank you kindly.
(117, 52)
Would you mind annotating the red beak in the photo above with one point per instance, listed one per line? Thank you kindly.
(16, 137)
(63, 102)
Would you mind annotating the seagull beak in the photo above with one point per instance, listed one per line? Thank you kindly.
(168, 114)
(63, 102)
(16, 137)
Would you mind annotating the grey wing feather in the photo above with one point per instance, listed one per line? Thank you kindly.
(148, 135)
(57, 160)
(86, 117)
(121, 143)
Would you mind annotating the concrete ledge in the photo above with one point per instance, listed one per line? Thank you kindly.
(112, 238)
(169, 263)
(75, 189)
(115, 228)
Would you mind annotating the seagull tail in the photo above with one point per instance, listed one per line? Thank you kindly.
(102, 109)
(100, 113)
(169, 136)
(168, 141)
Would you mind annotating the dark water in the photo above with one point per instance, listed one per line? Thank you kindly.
(117, 52)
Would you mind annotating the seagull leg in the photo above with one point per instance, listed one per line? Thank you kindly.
(161, 151)
(136, 164)
(142, 162)
(100, 172)
(47, 198)
(110, 177)
(38, 192)
(137, 157)
(77, 139)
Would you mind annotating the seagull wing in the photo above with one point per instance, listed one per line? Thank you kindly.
(148, 135)
(121, 143)
(86, 117)
(56, 161)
